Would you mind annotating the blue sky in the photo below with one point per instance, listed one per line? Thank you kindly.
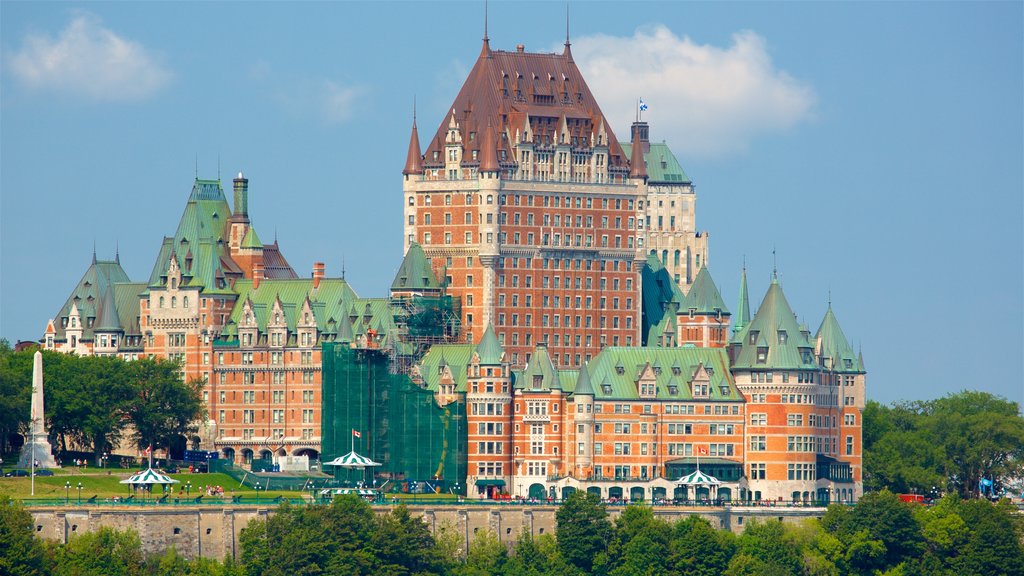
(877, 147)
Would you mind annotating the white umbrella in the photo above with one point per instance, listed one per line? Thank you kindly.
(352, 460)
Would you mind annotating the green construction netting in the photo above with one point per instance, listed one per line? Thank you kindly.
(400, 424)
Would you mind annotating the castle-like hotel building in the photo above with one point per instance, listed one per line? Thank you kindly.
(578, 326)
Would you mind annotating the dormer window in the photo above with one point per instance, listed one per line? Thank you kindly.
(848, 363)
(783, 337)
(693, 312)
(676, 370)
(538, 381)
(724, 389)
(620, 370)
(762, 354)
(606, 388)
(752, 338)
(673, 390)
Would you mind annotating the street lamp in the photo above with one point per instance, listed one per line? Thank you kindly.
(257, 487)
(79, 492)
(67, 492)
(188, 488)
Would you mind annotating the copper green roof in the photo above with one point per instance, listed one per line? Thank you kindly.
(540, 373)
(832, 347)
(703, 297)
(661, 298)
(742, 317)
(251, 240)
(662, 166)
(415, 272)
(108, 320)
(583, 387)
(102, 277)
(329, 302)
(774, 339)
(489, 349)
(455, 356)
(613, 374)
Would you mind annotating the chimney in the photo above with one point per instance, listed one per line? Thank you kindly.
(318, 273)
(257, 274)
(241, 187)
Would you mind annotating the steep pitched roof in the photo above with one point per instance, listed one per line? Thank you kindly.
(108, 320)
(413, 160)
(514, 89)
(540, 373)
(615, 370)
(455, 357)
(662, 165)
(703, 296)
(833, 348)
(583, 387)
(251, 240)
(776, 332)
(330, 301)
(415, 272)
(102, 277)
(637, 163)
(489, 349)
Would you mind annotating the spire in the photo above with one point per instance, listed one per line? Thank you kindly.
(489, 349)
(117, 252)
(568, 52)
(485, 50)
(743, 308)
(703, 296)
(637, 167)
(107, 320)
(94, 251)
(414, 160)
(489, 151)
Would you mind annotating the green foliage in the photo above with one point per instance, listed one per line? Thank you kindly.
(583, 529)
(486, 556)
(21, 554)
(163, 407)
(948, 444)
(15, 393)
(699, 549)
(765, 542)
(105, 552)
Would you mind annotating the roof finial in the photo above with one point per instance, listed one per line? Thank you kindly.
(413, 109)
(830, 297)
(342, 265)
(117, 251)
(486, 39)
(218, 166)
(93, 250)
(775, 266)
(744, 263)
(197, 165)
(567, 25)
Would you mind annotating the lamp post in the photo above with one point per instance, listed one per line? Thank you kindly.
(257, 487)
(79, 492)
(67, 492)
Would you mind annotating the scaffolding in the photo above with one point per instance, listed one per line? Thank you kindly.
(399, 423)
(421, 321)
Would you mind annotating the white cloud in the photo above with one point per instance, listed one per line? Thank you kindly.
(89, 59)
(703, 100)
(339, 101)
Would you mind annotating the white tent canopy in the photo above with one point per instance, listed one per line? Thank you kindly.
(149, 476)
(352, 460)
(698, 478)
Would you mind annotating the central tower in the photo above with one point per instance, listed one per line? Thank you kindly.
(530, 210)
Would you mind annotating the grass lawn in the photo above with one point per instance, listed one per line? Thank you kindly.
(96, 482)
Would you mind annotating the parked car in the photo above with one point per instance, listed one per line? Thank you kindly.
(44, 472)
(17, 474)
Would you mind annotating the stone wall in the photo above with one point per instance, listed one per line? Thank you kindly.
(214, 531)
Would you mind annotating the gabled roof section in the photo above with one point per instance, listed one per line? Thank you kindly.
(508, 90)
(415, 273)
(454, 357)
(330, 301)
(540, 373)
(833, 348)
(703, 296)
(489, 349)
(617, 370)
(661, 163)
(774, 339)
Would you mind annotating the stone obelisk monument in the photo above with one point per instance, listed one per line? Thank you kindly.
(37, 448)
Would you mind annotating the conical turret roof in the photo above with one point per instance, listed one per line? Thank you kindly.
(773, 339)
(742, 317)
(833, 347)
(489, 349)
(415, 272)
(414, 160)
(108, 320)
(637, 166)
(583, 386)
(704, 297)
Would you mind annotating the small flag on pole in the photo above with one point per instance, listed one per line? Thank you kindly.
(643, 105)
(702, 450)
(356, 433)
(149, 450)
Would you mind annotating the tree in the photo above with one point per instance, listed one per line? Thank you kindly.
(105, 552)
(15, 392)
(21, 554)
(763, 548)
(405, 545)
(162, 407)
(486, 556)
(583, 529)
(639, 544)
(697, 548)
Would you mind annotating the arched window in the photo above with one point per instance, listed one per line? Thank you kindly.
(174, 301)
(184, 301)
(664, 257)
(677, 258)
(412, 201)
(161, 301)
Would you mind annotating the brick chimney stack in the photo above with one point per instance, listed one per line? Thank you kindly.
(318, 273)
(257, 274)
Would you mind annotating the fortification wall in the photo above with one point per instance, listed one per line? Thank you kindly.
(214, 531)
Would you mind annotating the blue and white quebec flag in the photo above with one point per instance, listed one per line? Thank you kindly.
(643, 106)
